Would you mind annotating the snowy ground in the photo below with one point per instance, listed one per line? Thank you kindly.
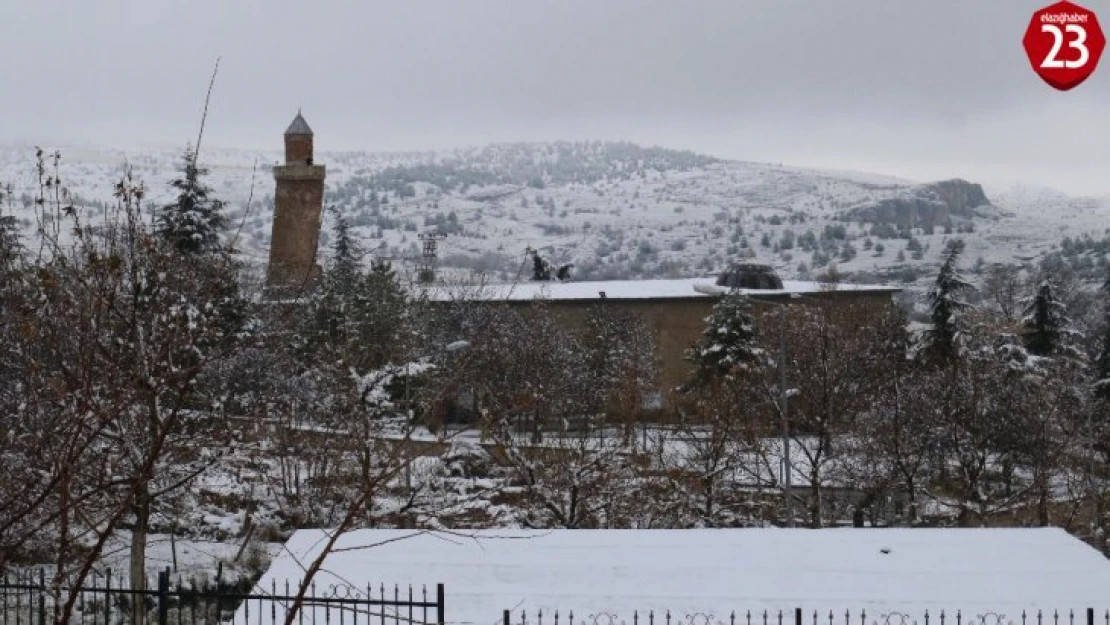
(717, 571)
(197, 561)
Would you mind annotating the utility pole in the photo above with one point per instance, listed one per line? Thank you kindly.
(426, 272)
(786, 468)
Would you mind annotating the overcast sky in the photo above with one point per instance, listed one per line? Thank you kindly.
(924, 90)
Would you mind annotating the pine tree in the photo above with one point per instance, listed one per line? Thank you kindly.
(945, 305)
(1045, 321)
(9, 242)
(541, 268)
(387, 330)
(1102, 365)
(729, 344)
(10, 247)
(346, 258)
(357, 316)
(194, 221)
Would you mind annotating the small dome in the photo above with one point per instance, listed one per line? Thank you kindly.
(298, 127)
(750, 276)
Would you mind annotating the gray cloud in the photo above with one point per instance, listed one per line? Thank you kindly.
(920, 89)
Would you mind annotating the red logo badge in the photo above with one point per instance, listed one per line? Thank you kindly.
(1064, 43)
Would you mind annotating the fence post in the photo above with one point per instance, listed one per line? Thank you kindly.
(439, 604)
(505, 618)
(108, 597)
(1090, 616)
(163, 597)
(797, 616)
(42, 597)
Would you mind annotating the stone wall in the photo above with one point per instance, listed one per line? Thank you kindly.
(678, 323)
(298, 204)
(298, 149)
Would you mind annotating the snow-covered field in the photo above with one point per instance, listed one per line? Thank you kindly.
(190, 561)
(716, 572)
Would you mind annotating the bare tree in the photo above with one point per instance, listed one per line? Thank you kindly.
(830, 380)
(1005, 289)
(113, 352)
(717, 460)
(896, 435)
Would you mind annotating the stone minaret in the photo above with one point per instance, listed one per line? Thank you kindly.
(298, 204)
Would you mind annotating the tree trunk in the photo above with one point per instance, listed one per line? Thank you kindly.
(963, 518)
(138, 553)
(911, 492)
(709, 501)
(1042, 501)
(815, 502)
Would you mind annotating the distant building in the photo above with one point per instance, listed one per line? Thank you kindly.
(298, 208)
(675, 311)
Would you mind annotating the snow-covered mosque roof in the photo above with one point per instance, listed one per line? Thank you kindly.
(630, 290)
(716, 571)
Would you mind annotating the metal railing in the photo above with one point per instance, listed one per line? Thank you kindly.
(33, 599)
(798, 616)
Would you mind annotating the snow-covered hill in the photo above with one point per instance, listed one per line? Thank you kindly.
(615, 210)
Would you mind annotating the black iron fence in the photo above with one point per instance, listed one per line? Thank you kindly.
(34, 599)
(798, 616)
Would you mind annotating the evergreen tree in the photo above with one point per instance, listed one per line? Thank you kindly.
(729, 344)
(9, 242)
(1045, 321)
(194, 221)
(1102, 365)
(387, 333)
(541, 268)
(346, 258)
(945, 304)
(10, 247)
(356, 316)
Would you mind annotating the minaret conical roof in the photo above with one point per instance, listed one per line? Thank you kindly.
(298, 127)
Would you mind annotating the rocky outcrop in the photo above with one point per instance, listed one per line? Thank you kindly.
(930, 205)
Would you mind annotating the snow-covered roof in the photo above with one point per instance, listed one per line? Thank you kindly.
(628, 290)
(716, 571)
